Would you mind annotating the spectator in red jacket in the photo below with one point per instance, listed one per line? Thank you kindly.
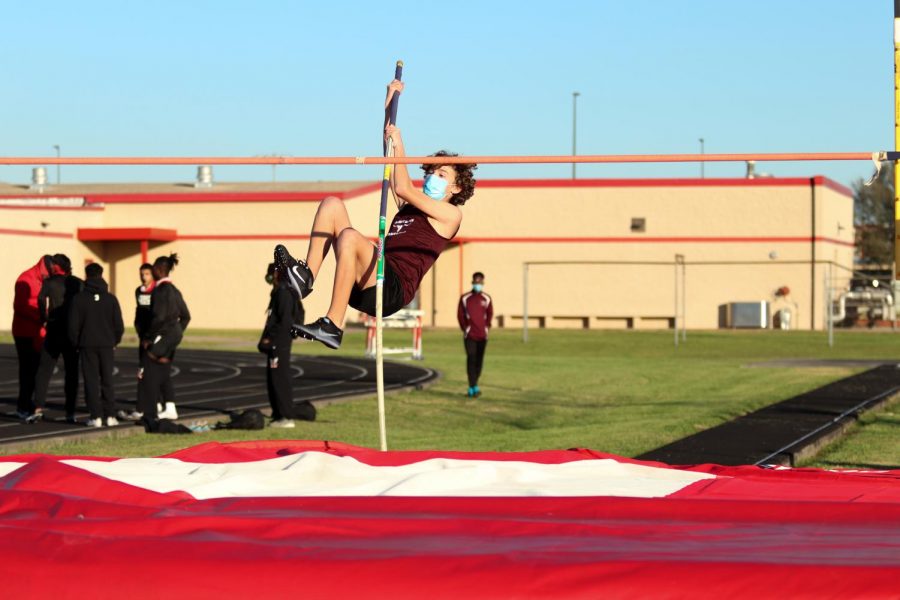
(475, 313)
(28, 330)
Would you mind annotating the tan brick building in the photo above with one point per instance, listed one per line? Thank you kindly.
(742, 239)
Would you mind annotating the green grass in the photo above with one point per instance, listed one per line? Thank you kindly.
(873, 443)
(623, 392)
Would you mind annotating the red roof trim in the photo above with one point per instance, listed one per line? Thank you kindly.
(548, 240)
(360, 191)
(664, 182)
(242, 237)
(205, 196)
(834, 186)
(126, 234)
(655, 240)
(219, 197)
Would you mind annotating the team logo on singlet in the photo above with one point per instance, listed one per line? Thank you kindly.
(399, 225)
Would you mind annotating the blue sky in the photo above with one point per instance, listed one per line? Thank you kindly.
(490, 77)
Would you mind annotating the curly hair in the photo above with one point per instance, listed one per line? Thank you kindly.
(465, 177)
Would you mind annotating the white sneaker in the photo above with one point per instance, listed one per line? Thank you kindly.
(111, 421)
(282, 424)
(169, 412)
(130, 416)
(94, 422)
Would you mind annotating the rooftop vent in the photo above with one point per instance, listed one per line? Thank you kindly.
(204, 177)
(38, 179)
(751, 169)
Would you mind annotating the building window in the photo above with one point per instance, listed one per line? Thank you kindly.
(638, 225)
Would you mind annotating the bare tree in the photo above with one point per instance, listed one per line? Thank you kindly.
(873, 215)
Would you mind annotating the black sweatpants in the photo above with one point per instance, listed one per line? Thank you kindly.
(474, 359)
(29, 359)
(157, 387)
(97, 371)
(279, 384)
(141, 388)
(53, 349)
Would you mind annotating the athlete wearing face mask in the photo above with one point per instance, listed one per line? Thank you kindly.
(427, 220)
(475, 313)
(434, 187)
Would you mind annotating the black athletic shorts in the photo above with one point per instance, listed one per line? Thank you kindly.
(364, 300)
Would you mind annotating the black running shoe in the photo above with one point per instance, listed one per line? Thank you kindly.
(295, 271)
(322, 330)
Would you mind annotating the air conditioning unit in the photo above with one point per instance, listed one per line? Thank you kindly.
(744, 315)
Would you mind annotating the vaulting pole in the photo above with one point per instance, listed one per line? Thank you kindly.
(391, 118)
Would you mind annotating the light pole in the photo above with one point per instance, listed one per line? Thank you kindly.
(574, 124)
(702, 164)
(56, 147)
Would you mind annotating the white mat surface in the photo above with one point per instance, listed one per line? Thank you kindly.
(320, 474)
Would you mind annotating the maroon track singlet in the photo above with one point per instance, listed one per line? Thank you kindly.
(411, 247)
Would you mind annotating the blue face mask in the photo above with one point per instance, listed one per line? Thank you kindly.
(435, 187)
(477, 287)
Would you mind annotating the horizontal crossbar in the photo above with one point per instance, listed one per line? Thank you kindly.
(444, 160)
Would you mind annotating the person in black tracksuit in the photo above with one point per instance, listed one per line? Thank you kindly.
(95, 329)
(54, 303)
(142, 317)
(284, 310)
(169, 319)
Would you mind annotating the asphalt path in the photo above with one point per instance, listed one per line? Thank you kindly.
(788, 430)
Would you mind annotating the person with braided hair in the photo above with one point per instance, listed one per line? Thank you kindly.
(169, 319)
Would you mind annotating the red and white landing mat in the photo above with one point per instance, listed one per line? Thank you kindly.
(319, 519)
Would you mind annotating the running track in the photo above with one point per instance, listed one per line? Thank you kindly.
(207, 383)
